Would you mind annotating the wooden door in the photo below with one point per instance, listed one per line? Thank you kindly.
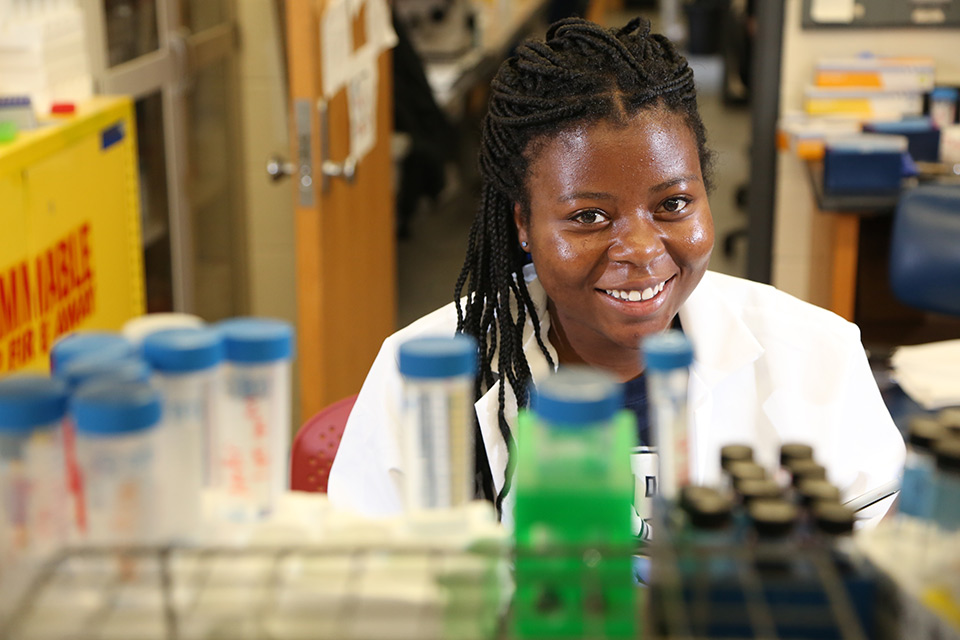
(345, 240)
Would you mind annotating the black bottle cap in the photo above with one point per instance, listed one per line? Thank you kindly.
(950, 418)
(734, 453)
(794, 451)
(806, 469)
(763, 489)
(817, 490)
(710, 511)
(833, 518)
(745, 470)
(692, 494)
(773, 518)
(924, 431)
(947, 451)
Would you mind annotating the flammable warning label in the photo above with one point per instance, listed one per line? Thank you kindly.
(46, 296)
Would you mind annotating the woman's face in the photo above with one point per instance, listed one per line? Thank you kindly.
(619, 229)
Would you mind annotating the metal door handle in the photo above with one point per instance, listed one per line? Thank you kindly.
(346, 169)
(328, 168)
(279, 168)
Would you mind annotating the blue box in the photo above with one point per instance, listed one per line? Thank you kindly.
(866, 162)
(923, 138)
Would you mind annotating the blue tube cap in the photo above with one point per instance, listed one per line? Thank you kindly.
(113, 408)
(438, 357)
(256, 340)
(577, 397)
(668, 350)
(184, 350)
(104, 366)
(84, 342)
(30, 401)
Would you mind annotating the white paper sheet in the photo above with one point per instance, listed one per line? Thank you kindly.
(336, 47)
(362, 101)
(833, 11)
(929, 373)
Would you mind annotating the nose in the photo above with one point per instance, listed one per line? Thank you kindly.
(636, 239)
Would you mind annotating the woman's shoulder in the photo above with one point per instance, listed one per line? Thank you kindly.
(440, 322)
(766, 308)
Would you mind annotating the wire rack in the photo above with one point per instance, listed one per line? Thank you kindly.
(365, 592)
(760, 590)
(166, 593)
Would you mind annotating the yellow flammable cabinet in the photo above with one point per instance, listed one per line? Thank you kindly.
(70, 251)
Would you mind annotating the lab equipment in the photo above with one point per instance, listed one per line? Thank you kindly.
(33, 517)
(117, 452)
(573, 493)
(916, 494)
(946, 507)
(187, 374)
(863, 162)
(438, 420)
(943, 106)
(103, 343)
(252, 436)
(136, 329)
(104, 366)
(668, 357)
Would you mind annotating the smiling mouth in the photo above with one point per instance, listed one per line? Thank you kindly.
(634, 295)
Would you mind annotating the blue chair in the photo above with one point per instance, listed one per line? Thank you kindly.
(925, 249)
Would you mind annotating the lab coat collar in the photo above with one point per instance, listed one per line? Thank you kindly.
(489, 404)
(722, 344)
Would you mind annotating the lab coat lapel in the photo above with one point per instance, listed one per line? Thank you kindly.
(488, 404)
(722, 345)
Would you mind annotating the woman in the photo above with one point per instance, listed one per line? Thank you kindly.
(594, 164)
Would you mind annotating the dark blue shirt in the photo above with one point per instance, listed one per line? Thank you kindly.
(635, 399)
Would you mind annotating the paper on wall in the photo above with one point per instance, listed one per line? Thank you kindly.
(380, 26)
(833, 11)
(362, 101)
(336, 47)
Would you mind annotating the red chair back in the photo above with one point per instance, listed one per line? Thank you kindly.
(316, 445)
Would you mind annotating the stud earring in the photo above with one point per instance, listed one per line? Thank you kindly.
(523, 244)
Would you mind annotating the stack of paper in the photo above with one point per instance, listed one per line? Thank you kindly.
(929, 373)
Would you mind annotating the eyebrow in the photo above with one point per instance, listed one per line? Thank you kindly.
(601, 195)
(663, 186)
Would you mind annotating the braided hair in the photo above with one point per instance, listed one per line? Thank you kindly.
(581, 73)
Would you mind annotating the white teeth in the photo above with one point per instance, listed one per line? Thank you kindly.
(636, 296)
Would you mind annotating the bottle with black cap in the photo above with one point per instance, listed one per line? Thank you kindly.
(773, 522)
(950, 419)
(802, 469)
(916, 494)
(810, 492)
(946, 481)
(708, 534)
(833, 529)
(730, 454)
(745, 470)
(791, 452)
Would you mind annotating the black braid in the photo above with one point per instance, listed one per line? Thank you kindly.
(581, 73)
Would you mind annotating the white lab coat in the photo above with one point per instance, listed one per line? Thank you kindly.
(768, 369)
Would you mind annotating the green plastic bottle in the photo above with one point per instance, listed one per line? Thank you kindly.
(574, 491)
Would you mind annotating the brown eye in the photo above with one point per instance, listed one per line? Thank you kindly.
(675, 205)
(590, 216)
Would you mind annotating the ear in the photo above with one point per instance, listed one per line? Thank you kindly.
(522, 234)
